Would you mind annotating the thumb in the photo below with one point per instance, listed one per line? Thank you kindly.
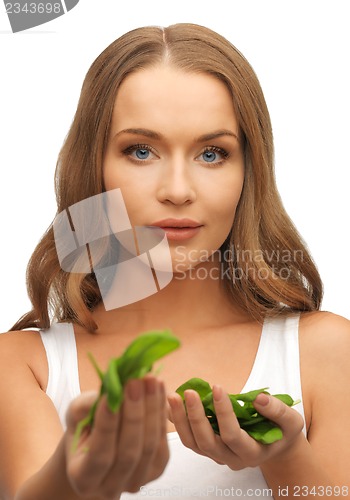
(288, 419)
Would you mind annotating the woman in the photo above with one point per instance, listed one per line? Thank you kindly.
(176, 121)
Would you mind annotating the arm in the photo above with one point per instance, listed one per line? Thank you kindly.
(125, 450)
(322, 460)
(49, 482)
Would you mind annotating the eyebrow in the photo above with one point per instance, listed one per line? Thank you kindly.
(155, 135)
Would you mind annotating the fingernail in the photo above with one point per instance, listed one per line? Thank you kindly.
(172, 401)
(190, 398)
(217, 393)
(262, 399)
(135, 390)
(150, 385)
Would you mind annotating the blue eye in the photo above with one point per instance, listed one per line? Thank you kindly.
(142, 154)
(213, 155)
(209, 156)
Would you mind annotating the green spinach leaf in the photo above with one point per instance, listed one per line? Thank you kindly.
(137, 360)
(255, 424)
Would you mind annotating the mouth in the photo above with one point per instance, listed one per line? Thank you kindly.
(179, 229)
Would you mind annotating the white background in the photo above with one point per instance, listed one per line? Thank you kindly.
(300, 51)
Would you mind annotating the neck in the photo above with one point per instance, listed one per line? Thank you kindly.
(193, 300)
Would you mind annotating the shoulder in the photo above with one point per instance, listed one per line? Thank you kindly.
(23, 349)
(324, 359)
(324, 341)
(324, 333)
(18, 342)
(323, 318)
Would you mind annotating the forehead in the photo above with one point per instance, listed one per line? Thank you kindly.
(164, 96)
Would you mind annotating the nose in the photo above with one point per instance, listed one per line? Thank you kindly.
(176, 184)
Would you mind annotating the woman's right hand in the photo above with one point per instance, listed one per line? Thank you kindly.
(122, 451)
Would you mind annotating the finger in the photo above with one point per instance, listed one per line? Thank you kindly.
(181, 422)
(208, 443)
(206, 440)
(154, 421)
(94, 461)
(236, 439)
(130, 438)
(104, 431)
(162, 455)
(155, 448)
(155, 426)
(128, 441)
(288, 419)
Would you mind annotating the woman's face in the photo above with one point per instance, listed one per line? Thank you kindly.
(175, 153)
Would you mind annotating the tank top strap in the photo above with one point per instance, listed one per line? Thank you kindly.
(277, 362)
(63, 375)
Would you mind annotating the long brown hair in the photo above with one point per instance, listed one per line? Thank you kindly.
(262, 231)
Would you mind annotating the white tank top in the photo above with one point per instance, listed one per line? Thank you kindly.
(187, 474)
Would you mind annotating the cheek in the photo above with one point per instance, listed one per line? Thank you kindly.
(133, 204)
(111, 176)
(114, 179)
(224, 206)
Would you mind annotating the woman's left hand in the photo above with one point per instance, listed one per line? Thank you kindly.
(233, 447)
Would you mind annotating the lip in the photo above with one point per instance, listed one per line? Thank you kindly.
(179, 223)
(179, 229)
